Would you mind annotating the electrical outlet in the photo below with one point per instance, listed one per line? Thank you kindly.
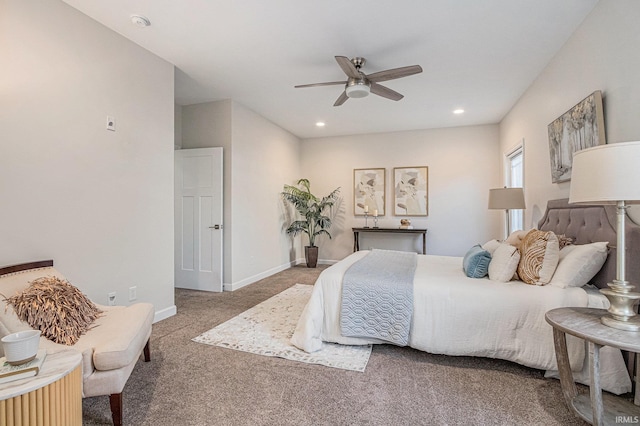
(133, 293)
(112, 298)
(111, 123)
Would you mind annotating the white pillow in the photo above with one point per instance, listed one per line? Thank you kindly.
(504, 263)
(491, 246)
(578, 264)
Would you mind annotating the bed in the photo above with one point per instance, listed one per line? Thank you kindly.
(456, 315)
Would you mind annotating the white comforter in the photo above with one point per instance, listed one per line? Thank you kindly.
(455, 315)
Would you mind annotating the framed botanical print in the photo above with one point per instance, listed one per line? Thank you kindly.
(410, 191)
(368, 192)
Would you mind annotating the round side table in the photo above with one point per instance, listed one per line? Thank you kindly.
(595, 408)
(53, 397)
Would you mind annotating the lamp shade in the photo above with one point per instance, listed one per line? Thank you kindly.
(606, 174)
(506, 198)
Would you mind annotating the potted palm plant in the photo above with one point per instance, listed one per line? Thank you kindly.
(313, 219)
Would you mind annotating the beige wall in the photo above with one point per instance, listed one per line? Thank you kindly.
(97, 202)
(259, 157)
(264, 158)
(603, 54)
(463, 165)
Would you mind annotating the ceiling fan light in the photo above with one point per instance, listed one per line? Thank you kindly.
(358, 90)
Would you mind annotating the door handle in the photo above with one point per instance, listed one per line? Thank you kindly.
(216, 227)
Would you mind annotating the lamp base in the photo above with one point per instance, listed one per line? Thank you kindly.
(630, 325)
(622, 314)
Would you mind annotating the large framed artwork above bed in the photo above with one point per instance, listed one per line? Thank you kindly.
(453, 314)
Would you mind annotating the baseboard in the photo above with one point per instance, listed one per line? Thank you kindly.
(165, 313)
(257, 277)
(268, 273)
(320, 261)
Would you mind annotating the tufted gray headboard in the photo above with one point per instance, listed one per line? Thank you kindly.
(588, 224)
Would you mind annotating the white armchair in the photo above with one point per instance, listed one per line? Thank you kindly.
(109, 350)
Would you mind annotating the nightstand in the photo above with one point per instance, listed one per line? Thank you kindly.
(595, 408)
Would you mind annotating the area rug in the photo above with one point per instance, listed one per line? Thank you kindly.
(266, 329)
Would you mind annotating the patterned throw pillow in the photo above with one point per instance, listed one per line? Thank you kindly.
(56, 308)
(564, 241)
(539, 256)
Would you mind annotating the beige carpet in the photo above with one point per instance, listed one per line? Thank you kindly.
(266, 329)
(188, 383)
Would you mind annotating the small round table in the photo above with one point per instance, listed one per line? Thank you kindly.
(585, 324)
(54, 396)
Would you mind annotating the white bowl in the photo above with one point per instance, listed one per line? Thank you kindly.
(21, 347)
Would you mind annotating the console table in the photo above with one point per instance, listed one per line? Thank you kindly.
(357, 231)
(585, 324)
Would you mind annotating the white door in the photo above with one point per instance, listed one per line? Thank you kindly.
(198, 219)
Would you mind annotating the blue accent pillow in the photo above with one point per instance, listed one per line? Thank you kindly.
(476, 262)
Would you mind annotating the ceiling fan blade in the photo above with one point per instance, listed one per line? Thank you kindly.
(341, 99)
(385, 92)
(328, 83)
(347, 66)
(394, 73)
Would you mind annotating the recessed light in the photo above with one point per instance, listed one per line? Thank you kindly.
(320, 124)
(140, 21)
(458, 111)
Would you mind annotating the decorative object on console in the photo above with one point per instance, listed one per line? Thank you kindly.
(609, 174)
(506, 199)
(405, 224)
(366, 216)
(368, 191)
(579, 128)
(411, 186)
(312, 210)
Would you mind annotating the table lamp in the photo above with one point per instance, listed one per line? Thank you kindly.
(506, 199)
(610, 174)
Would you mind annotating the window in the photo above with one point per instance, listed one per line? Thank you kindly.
(514, 178)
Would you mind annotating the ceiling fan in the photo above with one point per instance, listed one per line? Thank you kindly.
(358, 85)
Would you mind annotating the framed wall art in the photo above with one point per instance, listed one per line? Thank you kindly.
(410, 186)
(368, 192)
(579, 128)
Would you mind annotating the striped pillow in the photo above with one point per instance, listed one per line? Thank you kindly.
(539, 256)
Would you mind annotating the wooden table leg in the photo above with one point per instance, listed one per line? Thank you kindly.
(569, 389)
(595, 388)
(635, 373)
(356, 241)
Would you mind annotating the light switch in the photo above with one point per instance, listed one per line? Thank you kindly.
(111, 123)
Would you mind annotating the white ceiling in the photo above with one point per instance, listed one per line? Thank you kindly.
(479, 55)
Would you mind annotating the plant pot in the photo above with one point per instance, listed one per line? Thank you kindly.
(311, 255)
